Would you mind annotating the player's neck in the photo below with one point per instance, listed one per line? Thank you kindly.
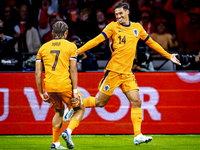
(126, 23)
(56, 37)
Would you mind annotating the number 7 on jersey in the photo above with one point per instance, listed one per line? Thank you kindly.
(56, 58)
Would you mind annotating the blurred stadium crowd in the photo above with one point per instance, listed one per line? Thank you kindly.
(26, 24)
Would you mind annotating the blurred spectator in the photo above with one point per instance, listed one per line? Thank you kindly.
(9, 59)
(73, 11)
(54, 5)
(86, 61)
(141, 3)
(159, 12)
(43, 17)
(103, 47)
(145, 15)
(143, 63)
(166, 40)
(101, 19)
(7, 42)
(84, 26)
(10, 2)
(190, 37)
(54, 17)
(62, 9)
(26, 34)
(181, 14)
(189, 62)
(145, 19)
(9, 20)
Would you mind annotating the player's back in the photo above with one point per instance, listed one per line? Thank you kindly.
(56, 55)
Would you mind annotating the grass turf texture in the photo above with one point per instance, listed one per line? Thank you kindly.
(101, 142)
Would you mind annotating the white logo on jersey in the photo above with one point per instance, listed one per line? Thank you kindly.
(135, 31)
(106, 88)
(105, 28)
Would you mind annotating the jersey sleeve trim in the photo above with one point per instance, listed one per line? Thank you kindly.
(72, 58)
(146, 38)
(39, 60)
(104, 35)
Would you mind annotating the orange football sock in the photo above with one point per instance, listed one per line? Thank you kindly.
(73, 124)
(136, 117)
(89, 102)
(56, 134)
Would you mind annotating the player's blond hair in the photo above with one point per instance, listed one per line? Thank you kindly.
(59, 29)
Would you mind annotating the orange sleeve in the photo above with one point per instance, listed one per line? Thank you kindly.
(74, 52)
(92, 43)
(39, 55)
(152, 44)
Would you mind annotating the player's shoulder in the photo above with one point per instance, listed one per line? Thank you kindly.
(44, 45)
(136, 24)
(70, 43)
(112, 23)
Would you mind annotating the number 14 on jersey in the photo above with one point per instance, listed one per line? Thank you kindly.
(122, 40)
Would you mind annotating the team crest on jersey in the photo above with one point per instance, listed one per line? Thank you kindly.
(135, 31)
(106, 88)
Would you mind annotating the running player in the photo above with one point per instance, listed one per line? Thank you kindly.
(59, 57)
(123, 36)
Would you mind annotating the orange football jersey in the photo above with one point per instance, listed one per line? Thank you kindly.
(123, 41)
(56, 55)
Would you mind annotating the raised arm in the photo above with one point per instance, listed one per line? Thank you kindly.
(92, 43)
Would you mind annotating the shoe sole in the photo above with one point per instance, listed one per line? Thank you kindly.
(146, 141)
(66, 138)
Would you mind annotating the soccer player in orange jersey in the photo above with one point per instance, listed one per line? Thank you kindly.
(59, 57)
(123, 36)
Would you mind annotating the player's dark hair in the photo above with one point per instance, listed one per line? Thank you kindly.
(121, 4)
(59, 29)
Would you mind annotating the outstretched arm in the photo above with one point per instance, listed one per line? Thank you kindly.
(92, 43)
(152, 44)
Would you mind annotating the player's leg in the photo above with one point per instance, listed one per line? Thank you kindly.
(136, 117)
(136, 112)
(74, 122)
(106, 87)
(57, 120)
(99, 101)
(131, 90)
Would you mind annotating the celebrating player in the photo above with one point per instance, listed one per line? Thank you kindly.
(58, 56)
(123, 36)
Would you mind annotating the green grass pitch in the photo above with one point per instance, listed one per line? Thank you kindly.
(101, 142)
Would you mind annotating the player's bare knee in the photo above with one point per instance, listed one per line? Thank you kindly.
(99, 103)
(82, 107)
(136, 103)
